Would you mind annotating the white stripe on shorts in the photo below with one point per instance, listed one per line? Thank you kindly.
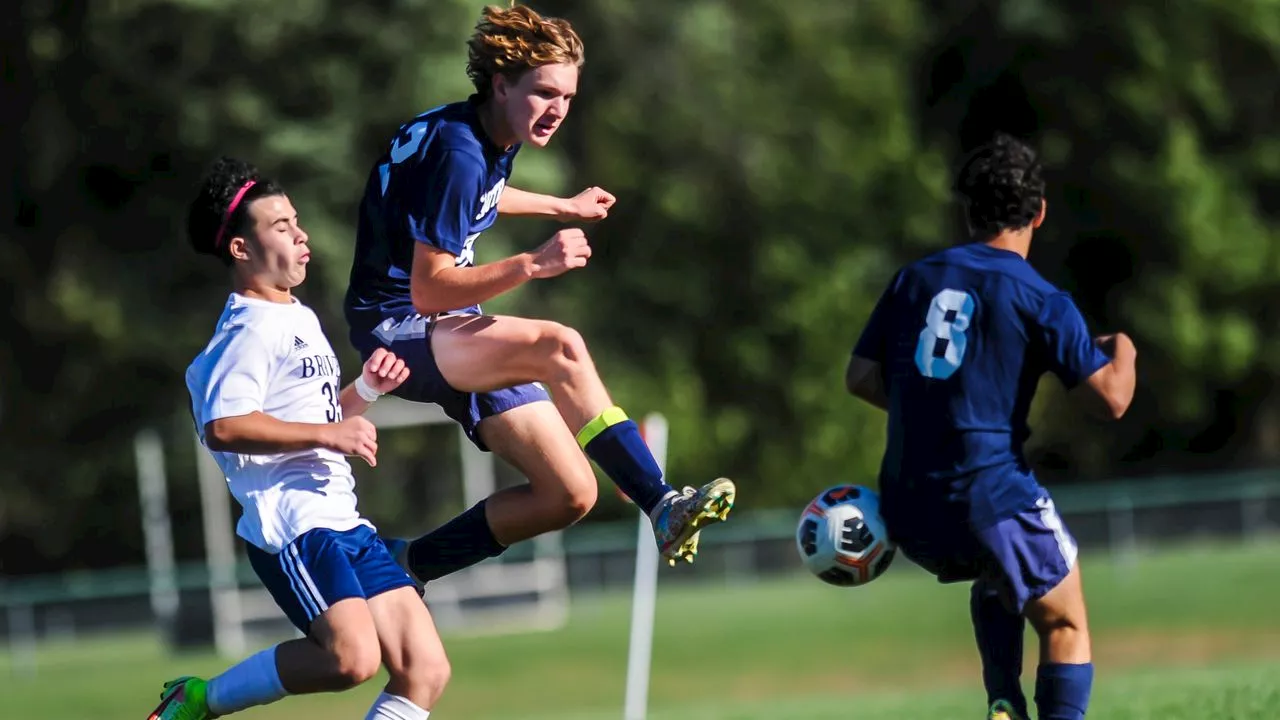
(1052, 520)
(299, 590)
(306, 579)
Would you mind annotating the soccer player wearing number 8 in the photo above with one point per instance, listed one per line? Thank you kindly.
(526, 389)
(268, 404)
(954, 350)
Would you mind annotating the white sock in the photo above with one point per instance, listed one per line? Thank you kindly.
(255, 681)
(394, 707)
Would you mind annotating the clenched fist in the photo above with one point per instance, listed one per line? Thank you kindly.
(566, 250)
(384, 372)
(589, 205)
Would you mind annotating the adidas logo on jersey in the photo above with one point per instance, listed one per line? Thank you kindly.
(298, 343)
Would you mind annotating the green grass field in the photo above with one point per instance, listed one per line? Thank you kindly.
(1183, 633)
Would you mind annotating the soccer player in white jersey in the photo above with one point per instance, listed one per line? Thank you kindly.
(268, 403)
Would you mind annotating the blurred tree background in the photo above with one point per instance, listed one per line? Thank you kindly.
(774, 162)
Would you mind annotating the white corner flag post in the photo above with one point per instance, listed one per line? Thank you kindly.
(157, 529)
(644, 596)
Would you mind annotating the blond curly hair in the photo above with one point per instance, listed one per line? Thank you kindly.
(510, 41)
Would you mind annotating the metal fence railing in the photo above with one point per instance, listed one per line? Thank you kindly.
(1116, 517)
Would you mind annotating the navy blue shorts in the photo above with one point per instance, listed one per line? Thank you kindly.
(410, 339)
(322, 567)
(1019, 559)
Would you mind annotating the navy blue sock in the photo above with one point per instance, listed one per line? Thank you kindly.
(459, 543)
(613, 441)
(1062, 691)
(999, 634)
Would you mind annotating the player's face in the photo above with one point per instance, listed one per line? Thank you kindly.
(277, 250)
(537, 102)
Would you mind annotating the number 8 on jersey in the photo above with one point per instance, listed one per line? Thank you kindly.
(940, 350)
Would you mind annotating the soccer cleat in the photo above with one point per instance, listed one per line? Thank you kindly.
(1003, 710)
(182, 699)
(679, 519)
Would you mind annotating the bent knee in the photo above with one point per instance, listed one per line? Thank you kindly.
(580, 498)
(356, 662)
(562, 349)
(422, 681)
(1061, 607)
(1058, 619)
(438, 674)
(568, 501)
(428, 677)
(573, 504)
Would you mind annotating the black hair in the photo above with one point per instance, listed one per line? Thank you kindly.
(208, 211)
(1002, 186)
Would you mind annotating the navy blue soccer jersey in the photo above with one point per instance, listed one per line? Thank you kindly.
(963, 337)
(439, 184)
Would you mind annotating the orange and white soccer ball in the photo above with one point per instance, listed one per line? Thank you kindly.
(842, 538)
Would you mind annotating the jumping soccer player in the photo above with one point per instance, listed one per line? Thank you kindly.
(268, 404)
(414, 289)
(953, 351)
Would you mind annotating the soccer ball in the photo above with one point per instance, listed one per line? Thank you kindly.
(841, 536)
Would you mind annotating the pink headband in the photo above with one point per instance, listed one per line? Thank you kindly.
(235, 202)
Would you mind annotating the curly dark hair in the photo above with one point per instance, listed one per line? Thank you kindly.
(1002, 186)
(208, 211)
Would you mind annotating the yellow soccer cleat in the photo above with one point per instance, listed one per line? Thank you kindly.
(680, 518)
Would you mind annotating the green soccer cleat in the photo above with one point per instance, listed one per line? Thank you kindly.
(679, 519)
(1003, 710)
(182, 699)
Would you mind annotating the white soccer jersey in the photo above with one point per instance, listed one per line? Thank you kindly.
(274, 358)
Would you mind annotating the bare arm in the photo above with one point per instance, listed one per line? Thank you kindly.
(239, 381)
(260, 434)
(1111, 388)
(437, 285)
(257, 433)
(863, 379)
(589, 205)
(515, 201)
